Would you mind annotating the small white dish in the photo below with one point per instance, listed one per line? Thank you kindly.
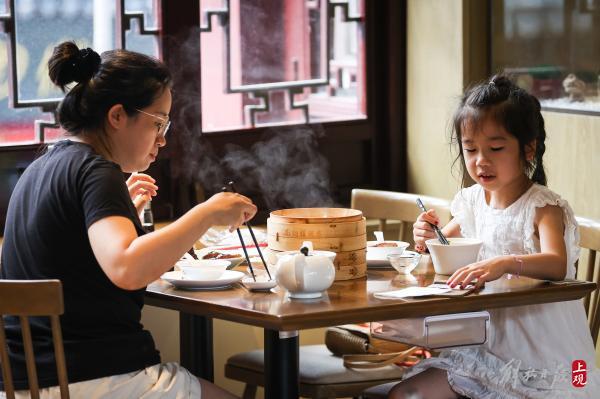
(260, 284)
(178, 280)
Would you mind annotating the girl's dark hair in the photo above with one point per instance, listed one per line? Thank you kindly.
(118, 77)
(517, 111)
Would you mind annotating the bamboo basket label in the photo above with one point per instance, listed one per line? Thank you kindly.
(317, 230)
(335, 244)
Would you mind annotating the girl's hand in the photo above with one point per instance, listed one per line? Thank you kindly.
(141, 188)
(231, 209)
(482, 271)
(422, 231)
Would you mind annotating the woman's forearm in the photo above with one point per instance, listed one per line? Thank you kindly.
(132, 262)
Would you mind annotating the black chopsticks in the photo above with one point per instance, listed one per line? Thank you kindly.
(231, 188)
(192, 253)
(436, 229)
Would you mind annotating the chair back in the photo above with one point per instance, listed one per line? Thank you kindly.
(24, 298)
(589, 231)
(390, 205)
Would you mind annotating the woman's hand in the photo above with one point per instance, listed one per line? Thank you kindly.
(482, 271)
(422, 230)
(230, 209)
(141, 188)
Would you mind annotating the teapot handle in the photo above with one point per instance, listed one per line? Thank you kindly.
(299, 263)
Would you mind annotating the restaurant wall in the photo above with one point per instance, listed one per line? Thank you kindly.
(441, 60)
(438, 66)
(434, 81)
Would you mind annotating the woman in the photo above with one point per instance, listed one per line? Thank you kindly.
(71, 217)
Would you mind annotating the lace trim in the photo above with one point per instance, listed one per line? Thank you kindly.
(477, 373)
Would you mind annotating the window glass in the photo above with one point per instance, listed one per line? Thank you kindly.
(147, 44)
(39, 26)
(552, 47)
(278, 62)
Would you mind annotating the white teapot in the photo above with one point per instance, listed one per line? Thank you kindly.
(306, 273)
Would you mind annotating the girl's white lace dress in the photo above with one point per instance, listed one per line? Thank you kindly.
(530, 349)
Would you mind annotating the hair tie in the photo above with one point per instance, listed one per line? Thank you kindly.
(83, 53)
(85, 65)
(492, 83)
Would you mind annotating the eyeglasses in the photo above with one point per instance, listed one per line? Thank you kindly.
(162, 127)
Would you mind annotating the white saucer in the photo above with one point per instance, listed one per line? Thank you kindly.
(305, 295)
(228, 277)
(260, 285)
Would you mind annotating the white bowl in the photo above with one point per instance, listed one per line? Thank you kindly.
(449, 258)
(381, 252)
(221, 263)
(206, 273)
(405, 262)
(203, 269)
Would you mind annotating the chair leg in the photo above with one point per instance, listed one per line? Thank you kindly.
(249, 392)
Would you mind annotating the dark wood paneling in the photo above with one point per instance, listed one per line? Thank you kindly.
(361, 153)
(366, 153)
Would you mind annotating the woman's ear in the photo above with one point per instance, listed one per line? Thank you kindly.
(116, 117)
(530, 151)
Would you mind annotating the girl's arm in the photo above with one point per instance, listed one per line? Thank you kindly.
(422, 231)
(452, 229)
(132, 262)
(549, 264)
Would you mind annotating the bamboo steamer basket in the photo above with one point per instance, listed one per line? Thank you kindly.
(339, 230)
(316, 215)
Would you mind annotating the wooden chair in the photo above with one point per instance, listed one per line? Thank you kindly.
(323, 375)
(25, 298)
(589, 231)
(390, 205)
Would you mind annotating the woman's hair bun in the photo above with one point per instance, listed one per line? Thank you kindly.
(86, 65)
(70, 64)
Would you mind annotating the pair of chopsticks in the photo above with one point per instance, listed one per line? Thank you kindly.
(231, 188)
(436, 229)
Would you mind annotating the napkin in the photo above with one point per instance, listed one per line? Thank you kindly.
(435, 289)
(411, 292)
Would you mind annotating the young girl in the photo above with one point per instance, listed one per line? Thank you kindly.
(71, 217)
(527, 230)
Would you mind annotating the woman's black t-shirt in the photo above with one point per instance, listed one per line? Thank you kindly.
(57, 198)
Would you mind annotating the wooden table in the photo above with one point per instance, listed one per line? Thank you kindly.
(345, 302)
